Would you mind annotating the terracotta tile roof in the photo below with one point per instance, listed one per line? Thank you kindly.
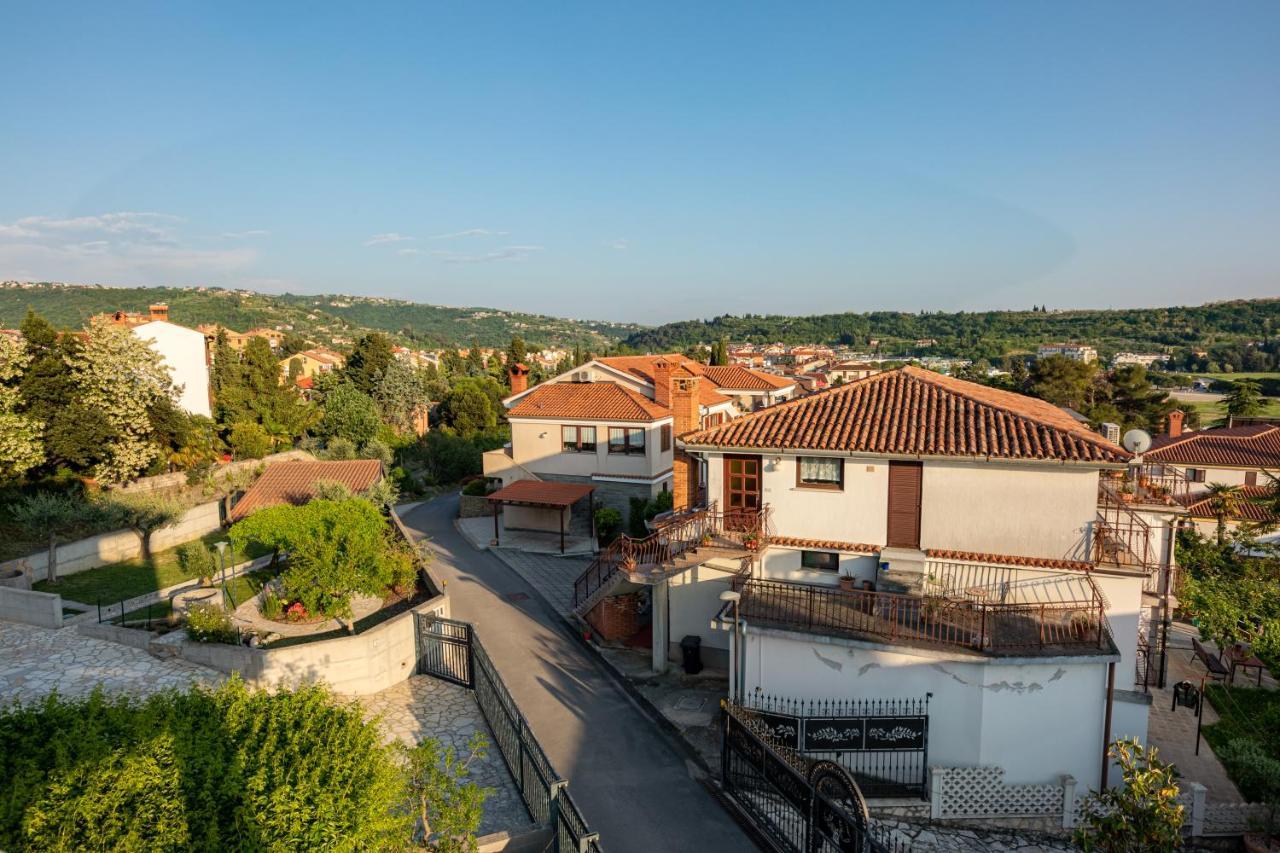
(1255, 446)
(825, 544)
(1008, 560)
(641, 367)
(917, 412)
(606, 401)
(542, 493)
(738, 377)
(1198, 505)
(294, 482)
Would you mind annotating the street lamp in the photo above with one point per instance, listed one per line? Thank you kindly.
(734, 688)
(222, 562)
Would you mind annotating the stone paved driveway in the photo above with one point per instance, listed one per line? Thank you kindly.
(425, 706)
(552, 577)
(36, 661)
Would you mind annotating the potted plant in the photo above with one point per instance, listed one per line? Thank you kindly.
(628, 563)
(847, 583)
(751, 541)
(706, 538)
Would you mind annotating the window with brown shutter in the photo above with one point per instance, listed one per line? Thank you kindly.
(666, 437)
(1251, 478)
(904, 505)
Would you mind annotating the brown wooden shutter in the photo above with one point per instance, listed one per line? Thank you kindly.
(904, 505)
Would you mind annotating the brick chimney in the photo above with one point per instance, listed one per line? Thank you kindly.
(686, 412)
(519, 373)
(1175, 423)
(662, 383)
(159, 311)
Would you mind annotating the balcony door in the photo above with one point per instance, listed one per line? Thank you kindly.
(904, 505)
(741, 484)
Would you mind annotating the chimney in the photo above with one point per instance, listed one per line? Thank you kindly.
(686, 412)
(1175, 423)
(159, 311)
(519, 373)
(662, 383)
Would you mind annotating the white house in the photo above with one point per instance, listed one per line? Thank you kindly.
(922, 536)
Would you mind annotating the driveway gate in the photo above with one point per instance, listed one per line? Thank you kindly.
(444, 649)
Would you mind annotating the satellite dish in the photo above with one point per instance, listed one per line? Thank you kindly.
(1136, 441)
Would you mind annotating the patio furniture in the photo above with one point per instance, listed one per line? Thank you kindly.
(1241, 657)
(1217, 670)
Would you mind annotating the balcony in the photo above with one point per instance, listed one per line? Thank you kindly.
(1054, 616)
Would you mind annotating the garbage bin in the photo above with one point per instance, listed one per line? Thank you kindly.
(691, 649)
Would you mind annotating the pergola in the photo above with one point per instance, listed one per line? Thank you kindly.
(543, 494)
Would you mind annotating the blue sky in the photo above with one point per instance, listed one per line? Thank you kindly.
(650, 161)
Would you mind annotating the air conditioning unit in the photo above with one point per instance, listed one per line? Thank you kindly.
(582, 376)
(1111, 432)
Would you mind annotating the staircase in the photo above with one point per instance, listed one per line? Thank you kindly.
(682, 541)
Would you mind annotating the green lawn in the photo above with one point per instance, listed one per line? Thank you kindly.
(118, 581)
(1210, 412)
(1229, 377)
(1245, 713)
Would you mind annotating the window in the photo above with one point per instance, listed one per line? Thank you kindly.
(578, 439)
(626, 440)
(1251, 478)
(826, 561)
(709, 421)
(819, 472)
(666, 437)
(1195, 475)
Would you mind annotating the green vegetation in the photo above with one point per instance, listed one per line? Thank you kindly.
(1233, 598)
(223, 769)
(448, 807)
(118, 581)
(1142, 815)
(336, 549)
(1246, 738)
(209, 623)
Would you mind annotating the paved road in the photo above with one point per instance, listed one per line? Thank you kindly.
(633, 787)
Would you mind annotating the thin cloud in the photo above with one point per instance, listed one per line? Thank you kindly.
(508, 253)
(470, 232)
(409, 252)
(244, 235)
(389, 237)
(620, 245)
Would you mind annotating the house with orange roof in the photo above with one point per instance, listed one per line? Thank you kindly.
(906, 536)
(610, 421)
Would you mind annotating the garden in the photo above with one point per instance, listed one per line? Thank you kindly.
(226, 768)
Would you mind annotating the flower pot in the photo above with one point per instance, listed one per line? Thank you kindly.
(847, 583)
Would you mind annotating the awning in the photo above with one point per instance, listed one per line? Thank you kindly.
(542, 493)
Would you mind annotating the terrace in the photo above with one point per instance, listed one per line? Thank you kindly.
(1059, 615)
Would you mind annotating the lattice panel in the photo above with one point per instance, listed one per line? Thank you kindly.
(1231, 818)
(973, 792)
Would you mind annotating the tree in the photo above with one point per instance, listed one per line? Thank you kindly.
(55, 515)
(351, 414)
(475, 359)
(1224, 503)
(117, 373)
(401, 393)
(720, 353)
(21, 448)
(1269, 500)
(448, 806)
(1063, 381)
(368, 361)
(1141, 815)
(144, 515)
(517, 352)
(336, 549)
(468, 410)
(1244, 399)
(1139, 403)
(248, 440)
(292, 344)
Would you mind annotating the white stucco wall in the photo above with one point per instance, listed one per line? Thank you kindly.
(183, 351)
(1033, 511)
(783, 564)
(694, 598)
(534, 518)
(1037, 720)
(537, 445)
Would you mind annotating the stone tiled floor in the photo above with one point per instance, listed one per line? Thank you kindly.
(943, 839)
(428, 707)
(553, 577)
(479, 531)
(36, 661)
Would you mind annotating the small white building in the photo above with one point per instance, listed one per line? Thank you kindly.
(184, 353)
(1075, 352)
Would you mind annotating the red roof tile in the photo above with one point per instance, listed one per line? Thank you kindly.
(1008, 560)
(294, 482)
(825, 544)
(916, 412)
(1199, 505)
(740, 378)
(1255, 446)
(606, 401)
(641, 367)
(542, 493)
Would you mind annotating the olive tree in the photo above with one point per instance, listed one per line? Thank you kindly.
(55, 515)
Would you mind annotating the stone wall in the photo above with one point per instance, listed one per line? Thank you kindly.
(118, 545)
(178, 479)
(474, 506)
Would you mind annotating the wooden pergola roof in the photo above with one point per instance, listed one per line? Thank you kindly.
(542, 493)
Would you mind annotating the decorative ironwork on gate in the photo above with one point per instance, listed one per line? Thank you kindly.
(451, 650)
(883, 743)
(797, 805)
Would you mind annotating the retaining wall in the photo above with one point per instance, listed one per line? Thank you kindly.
(178, 479)
(30, 607)
(118, 545)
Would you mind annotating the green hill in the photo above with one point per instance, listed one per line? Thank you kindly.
(320, 318)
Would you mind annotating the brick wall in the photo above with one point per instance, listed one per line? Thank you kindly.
(615, 618)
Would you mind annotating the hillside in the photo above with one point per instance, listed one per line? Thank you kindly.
(320, 318)
(986, 334)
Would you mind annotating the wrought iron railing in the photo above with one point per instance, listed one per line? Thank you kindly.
(990, 627)
(674, 537)
(1146, 484)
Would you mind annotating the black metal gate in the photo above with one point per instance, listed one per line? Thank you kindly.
(798, 806)
(883, 743)
(444, 649)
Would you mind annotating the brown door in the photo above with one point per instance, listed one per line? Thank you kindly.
(741, 484)
(904, 505)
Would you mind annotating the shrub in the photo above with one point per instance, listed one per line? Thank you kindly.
(248, 440)
(1255, 773)
(197, 561)
(608, 524)
(208, 623)
(272, 606)
(1142, 815)
(635, 519)
(378, 449)
(476, 488)
(201, 769)
(340, 448)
